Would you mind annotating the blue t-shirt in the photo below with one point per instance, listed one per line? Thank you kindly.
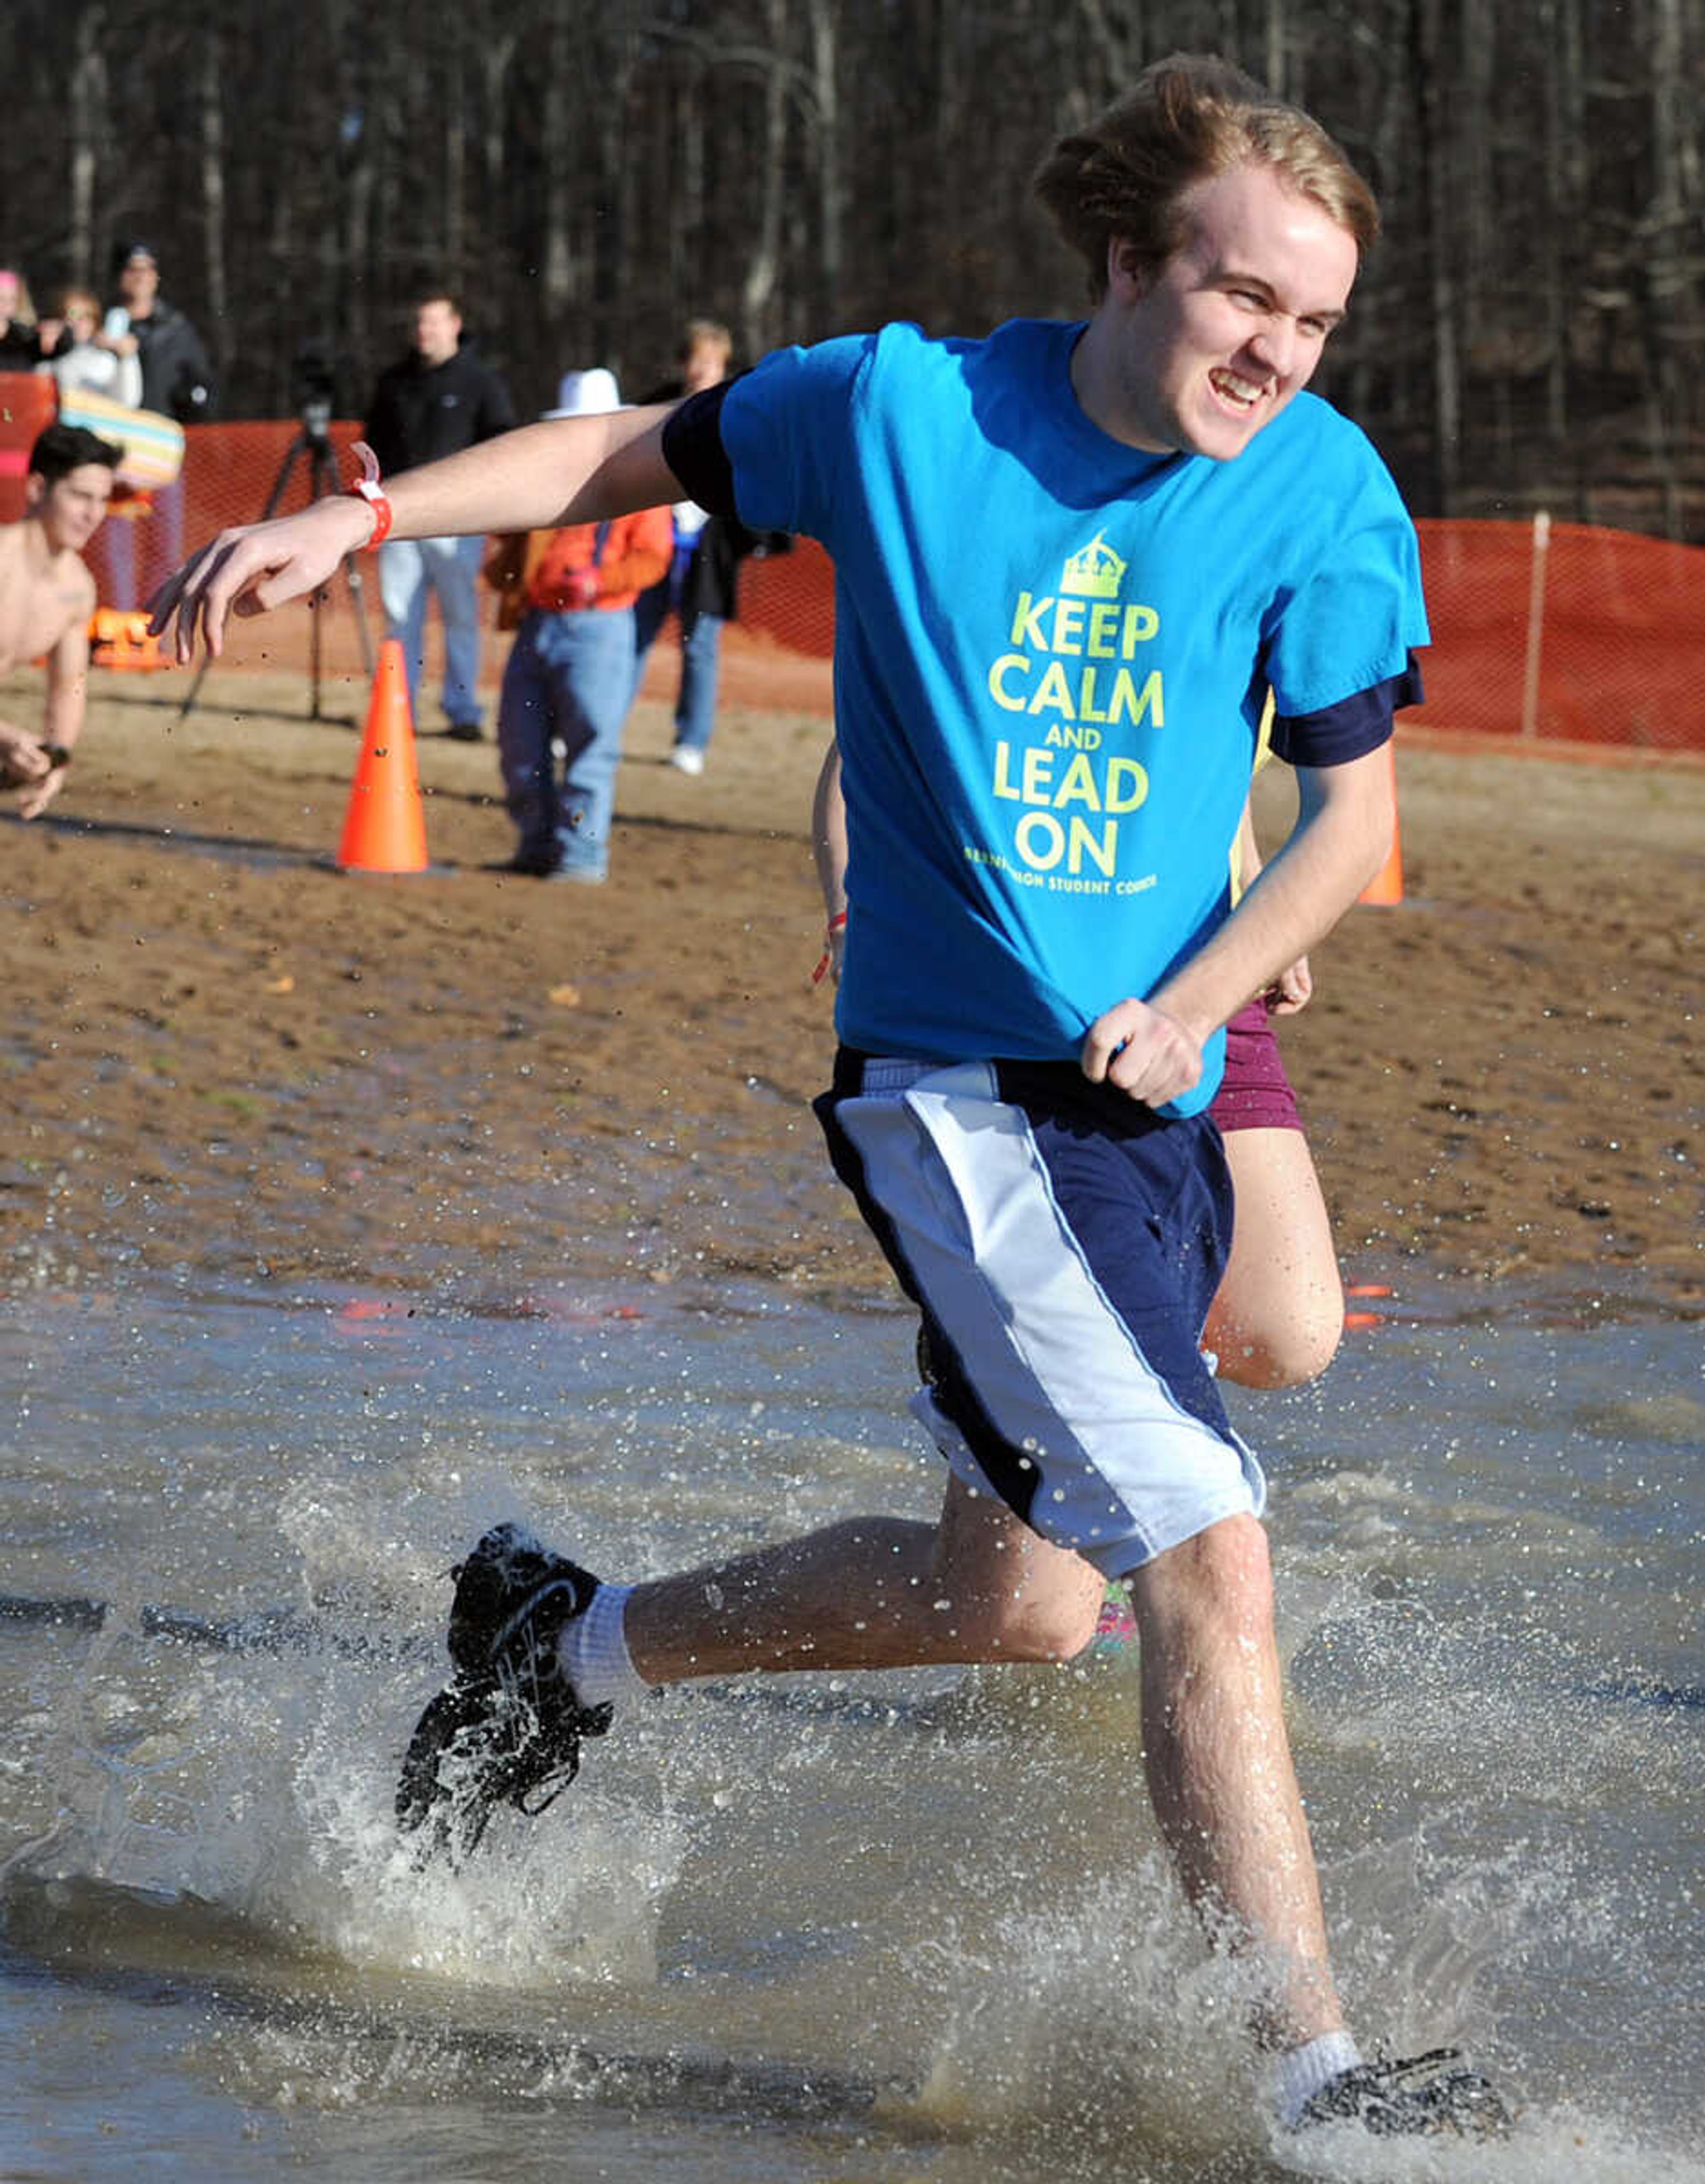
(1051, 651)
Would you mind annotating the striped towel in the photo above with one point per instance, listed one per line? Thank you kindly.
(152, 444)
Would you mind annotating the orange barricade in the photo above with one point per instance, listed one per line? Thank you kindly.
(1563, 632)
(231, 475)
(28, 401)
(1542, 633)
(790, 598)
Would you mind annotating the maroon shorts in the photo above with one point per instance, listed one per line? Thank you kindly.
(1255, 1093)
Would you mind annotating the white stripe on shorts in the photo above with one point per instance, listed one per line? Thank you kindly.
(1126, 1471)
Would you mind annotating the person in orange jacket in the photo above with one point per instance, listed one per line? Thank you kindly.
(569, 596)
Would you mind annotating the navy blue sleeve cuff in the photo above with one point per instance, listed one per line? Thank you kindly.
(1350, 729)
(692, 449)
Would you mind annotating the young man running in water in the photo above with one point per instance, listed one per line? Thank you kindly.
(1071, 559)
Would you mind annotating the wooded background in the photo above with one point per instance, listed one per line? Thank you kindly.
(1528, 333)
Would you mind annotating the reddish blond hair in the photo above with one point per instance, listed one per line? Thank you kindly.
(1186, 120)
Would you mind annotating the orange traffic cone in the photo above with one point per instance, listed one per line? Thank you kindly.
(385, 829)
(1386, 888)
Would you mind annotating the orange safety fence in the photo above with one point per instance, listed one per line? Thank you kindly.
(1564, 633)
(1542, 633)
(27, 404)
(235, 474)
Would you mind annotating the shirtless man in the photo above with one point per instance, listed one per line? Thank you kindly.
(46, 596)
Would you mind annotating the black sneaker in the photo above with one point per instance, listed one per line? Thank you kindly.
(1425, 2097)
(464, 731)
(508, 1729)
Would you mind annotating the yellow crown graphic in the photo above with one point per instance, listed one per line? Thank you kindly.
(1095, 571)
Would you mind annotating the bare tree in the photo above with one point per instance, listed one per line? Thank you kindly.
(213, 189)
(1525, 331)
(1427, 46)
(88, 109)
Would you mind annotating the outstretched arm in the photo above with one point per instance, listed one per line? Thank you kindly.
(570, 469)
(1152, 1049)
(62, 719)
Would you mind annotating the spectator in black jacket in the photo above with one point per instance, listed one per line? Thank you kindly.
(177, 380)
(438, 400)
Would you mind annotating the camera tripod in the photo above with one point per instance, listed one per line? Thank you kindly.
(310, 446)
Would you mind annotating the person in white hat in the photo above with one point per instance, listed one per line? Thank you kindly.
(569, 596)
(590, 393)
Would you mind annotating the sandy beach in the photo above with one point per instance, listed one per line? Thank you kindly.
(222, 1053)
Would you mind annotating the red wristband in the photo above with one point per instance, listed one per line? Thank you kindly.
(367, 488)
(836, 924)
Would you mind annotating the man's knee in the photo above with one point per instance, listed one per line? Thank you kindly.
(1310, 1345)
(1221, 1580)
(1010, 1596)
(1289, 1355)
(1055, 1623)
(1057, 1628)
(1281, 1341)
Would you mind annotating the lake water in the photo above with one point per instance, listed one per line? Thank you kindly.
(891, 1930)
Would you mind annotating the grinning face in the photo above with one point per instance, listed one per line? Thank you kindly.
(1200, 354)
(71, 508)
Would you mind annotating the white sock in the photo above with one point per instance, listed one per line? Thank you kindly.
(1302, 2071)
(592, 1650)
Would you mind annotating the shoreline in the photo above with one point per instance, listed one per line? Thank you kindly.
(222, 1054)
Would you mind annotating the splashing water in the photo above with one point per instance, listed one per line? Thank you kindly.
(870, 1927)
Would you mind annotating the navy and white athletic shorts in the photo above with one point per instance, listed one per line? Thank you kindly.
(1063, 1244)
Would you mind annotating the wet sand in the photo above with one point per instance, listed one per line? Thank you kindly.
(222, 1054)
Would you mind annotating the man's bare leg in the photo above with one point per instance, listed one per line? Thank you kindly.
(1279, 1315)
(1219, 1767)
(978, 1586)
(874, 1593)
(886, 1592)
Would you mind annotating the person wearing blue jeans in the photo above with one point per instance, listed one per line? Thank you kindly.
(567, 684)
(703, 360)
(701, 639)
(412, 571)
(703, 588)
(569, 594)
